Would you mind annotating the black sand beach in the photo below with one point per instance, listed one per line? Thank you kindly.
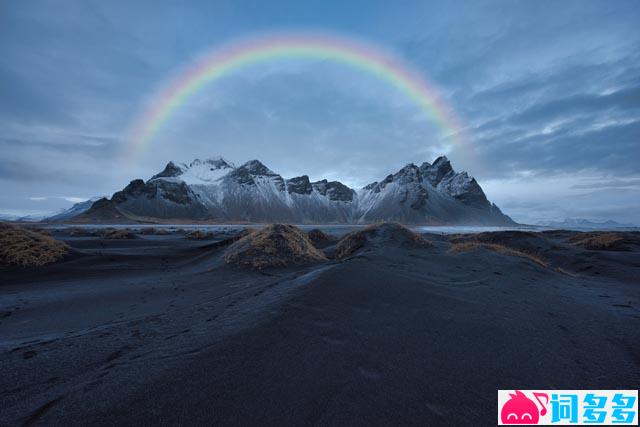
(157, 329)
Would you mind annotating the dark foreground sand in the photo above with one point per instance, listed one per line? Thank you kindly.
(158, 330)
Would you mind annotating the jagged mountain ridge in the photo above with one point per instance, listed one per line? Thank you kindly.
(216, 189)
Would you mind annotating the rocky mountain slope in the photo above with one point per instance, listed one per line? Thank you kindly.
(215, 189)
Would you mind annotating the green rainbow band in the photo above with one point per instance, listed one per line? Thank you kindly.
(224, 61)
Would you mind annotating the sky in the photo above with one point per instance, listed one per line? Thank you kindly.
(548, 93)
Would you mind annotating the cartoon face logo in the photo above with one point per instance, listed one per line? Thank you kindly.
(519, 409)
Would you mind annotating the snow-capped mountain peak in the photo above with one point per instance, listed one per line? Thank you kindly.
(437, 171)
(257, 168)
(171, 170)
(198, 172)
(216, 162)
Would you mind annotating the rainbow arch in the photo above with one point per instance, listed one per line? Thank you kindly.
(221, 62)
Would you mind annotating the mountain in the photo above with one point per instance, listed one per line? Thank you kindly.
(10, 217)
(63, 215)
(215, 189)
(585, 224)
(74, 210)
(35, 217)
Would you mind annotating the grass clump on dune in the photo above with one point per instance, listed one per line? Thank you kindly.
(153, 231)
(521, 244)
(318, 236)
(276, 245)
(383, 234)
(200, 235)
(78, 232)
(114, 233)
(19, 246)
(597, 241)
(468, 246)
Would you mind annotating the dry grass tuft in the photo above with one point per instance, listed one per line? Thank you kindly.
(597, 241)
(78, 232)
(244, 233)
(276, 245)
(152, 231)
(350, 244)
(19, 246)
(319, 236)
(44, 231)
(200, 235)
(115, 233)
(386, 233)
(470, 245)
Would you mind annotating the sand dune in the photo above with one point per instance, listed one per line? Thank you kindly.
(159, 329)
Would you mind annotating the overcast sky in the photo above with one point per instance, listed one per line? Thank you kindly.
(548, 91)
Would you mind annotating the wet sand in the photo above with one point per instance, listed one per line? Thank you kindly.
(158, 330)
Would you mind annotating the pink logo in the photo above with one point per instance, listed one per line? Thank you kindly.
(519, 409)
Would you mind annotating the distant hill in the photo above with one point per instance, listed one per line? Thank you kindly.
(23, 218)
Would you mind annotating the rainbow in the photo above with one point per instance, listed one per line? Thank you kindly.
(221, 62)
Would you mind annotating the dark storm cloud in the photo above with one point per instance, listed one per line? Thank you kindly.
(600, 131)
(562, 122)
(612, 149)
(566, 78)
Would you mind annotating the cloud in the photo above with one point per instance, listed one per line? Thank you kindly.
(74, 199)
(547, 90)
(563, 195)
(18, 171)
(626, 100)
(616, 183)
(71, 199)
(90, 145)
